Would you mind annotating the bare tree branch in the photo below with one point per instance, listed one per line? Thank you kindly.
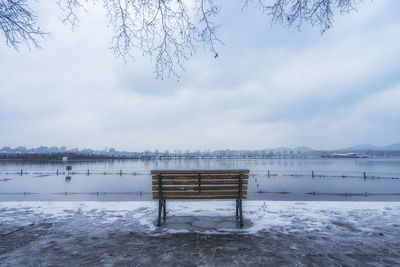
(206, 10)
(161, 29)
(295, 12)
(167, 31)
(18, 24)
(70, 7)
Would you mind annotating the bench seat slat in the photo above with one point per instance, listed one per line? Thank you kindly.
(196, 182)
(198, 194)
(203, 197)
(196, 176)
(197, 179)
(199, 171)
(194, 188)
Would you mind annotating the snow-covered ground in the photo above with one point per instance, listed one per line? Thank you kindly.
(200, 233)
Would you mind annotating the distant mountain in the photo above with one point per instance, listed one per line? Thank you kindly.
(392, 147)
(372, 147)
(362, 147)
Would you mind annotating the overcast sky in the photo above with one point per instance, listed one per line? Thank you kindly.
(271, 86)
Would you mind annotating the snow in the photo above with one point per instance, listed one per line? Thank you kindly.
(303, 233)
(259, 215)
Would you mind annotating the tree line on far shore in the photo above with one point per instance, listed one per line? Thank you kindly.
(56, 153)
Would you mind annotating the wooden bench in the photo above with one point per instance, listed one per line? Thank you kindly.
(199, 184)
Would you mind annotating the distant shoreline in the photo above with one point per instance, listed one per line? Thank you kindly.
(59, 157)
(99, 157)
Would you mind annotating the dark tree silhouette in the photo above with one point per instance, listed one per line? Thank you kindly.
(315, 12)
(18, 24)
(168, 31)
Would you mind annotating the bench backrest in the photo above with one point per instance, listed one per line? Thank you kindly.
(200, 184)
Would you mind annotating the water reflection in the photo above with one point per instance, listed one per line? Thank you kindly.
(272, 179)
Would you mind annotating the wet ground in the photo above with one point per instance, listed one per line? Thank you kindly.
(289, 234)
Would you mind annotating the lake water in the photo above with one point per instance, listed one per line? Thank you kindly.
(289, 179)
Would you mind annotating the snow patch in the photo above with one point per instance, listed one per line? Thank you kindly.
(208, 216)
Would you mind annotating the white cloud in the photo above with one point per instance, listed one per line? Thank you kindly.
(277, 87)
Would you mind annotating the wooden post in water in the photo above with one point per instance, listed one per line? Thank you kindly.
(312, 174)
(21, 172)
(57, 172)
(268, 174)
(365, 176)
(120, 172)
(88, 172)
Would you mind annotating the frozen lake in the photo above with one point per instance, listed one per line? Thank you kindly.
(126, 180)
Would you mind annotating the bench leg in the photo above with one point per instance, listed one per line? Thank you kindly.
(159, 212)
(165, 209)
(237, 208)
(241, 213)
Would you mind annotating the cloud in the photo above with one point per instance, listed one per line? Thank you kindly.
(270, 86)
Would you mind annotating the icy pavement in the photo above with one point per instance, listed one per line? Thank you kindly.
(199, 233)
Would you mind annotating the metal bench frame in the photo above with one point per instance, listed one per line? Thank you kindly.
(162, 207)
